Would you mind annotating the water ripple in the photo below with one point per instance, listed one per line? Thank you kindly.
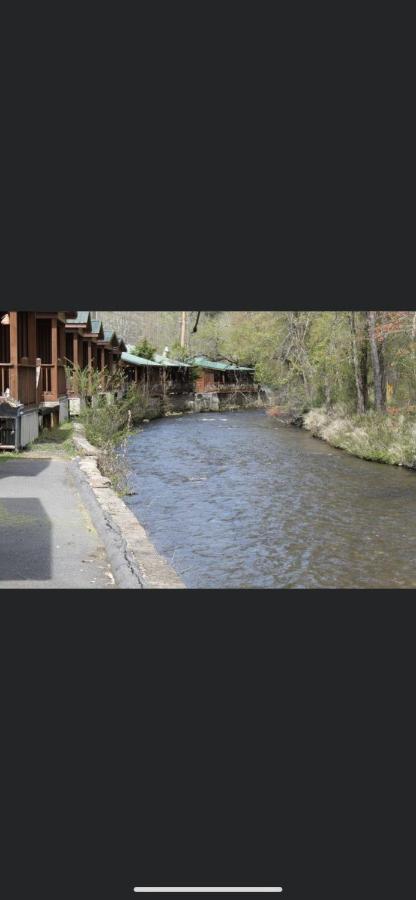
(249, 503)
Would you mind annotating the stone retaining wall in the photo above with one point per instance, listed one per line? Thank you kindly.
(135, 562)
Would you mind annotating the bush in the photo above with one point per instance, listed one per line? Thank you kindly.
(109, 423)
(92, 382)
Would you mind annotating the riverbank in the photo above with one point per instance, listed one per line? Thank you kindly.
(377, 437)
(373, 436)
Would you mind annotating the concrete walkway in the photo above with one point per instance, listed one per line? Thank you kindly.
(47, 538)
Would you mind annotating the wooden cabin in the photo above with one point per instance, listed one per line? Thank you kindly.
(108, 349)
(176, 376)
(18, 354)
(32, 356)
(32, 373)
(222, 376)
(51, 360)
(117, 351)
(77, 329)
(90, 347)
(144, 373)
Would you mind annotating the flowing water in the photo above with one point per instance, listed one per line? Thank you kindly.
(241, 501)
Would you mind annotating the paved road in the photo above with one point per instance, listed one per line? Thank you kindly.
(47, 539)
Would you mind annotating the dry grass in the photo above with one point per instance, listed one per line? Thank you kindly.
(373, 436)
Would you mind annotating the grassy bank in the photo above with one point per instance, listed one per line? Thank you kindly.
(374, 436)
(51, 442)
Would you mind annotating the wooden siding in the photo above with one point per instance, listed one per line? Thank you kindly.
(18, 357)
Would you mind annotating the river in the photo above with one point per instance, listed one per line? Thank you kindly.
(238, 500)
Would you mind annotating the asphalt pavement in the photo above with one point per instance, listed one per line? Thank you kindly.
(47, 537)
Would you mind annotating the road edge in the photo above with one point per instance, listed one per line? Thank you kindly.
(135, 562)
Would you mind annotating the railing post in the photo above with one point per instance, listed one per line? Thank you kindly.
(54, 385)
(31, 338)
(38, 381)
(76, 350)
(13, 374)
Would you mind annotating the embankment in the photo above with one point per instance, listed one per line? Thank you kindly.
(134, 559)
(373, 436)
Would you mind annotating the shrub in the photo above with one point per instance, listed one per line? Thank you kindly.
(108, 423)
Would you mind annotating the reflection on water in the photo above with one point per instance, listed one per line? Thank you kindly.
(239, 500)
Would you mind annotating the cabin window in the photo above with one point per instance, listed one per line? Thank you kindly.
(4, 340)
(84, 354)
(23, 335)
(44, 340)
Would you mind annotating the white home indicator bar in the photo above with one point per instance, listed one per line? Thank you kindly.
(208, 890)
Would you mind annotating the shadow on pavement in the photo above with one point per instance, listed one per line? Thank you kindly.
(26, 468)
(25, 540)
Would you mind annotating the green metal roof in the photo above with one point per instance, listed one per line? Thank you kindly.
(166, 361)
(109, 335)
(81, 318)
(138, 360)
(204, 363)
(96, 326)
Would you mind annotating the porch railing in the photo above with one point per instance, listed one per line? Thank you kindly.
(46, 390)
(46, 379)
(219, 388)
(27, 384)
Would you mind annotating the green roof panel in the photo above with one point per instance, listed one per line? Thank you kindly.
(138, 360)
(81, 318)
(203, 363)
(166, 361)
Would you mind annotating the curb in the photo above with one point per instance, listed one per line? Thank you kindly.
(135, 562)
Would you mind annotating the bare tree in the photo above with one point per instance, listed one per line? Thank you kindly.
(376, 364)
(183, 329)
(358, 369)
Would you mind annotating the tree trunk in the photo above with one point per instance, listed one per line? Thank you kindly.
(183, 329)
(361, 405)
(364, 369)
(375, 359)
(383, 372)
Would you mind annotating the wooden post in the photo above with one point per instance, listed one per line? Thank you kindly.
(76, 350)
(13, 376)
(32, 338)
(61, 342)
(54, 372)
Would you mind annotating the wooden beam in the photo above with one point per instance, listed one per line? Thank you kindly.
(76, 350)
(54, 372)
(32, 338)
(13, 372)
